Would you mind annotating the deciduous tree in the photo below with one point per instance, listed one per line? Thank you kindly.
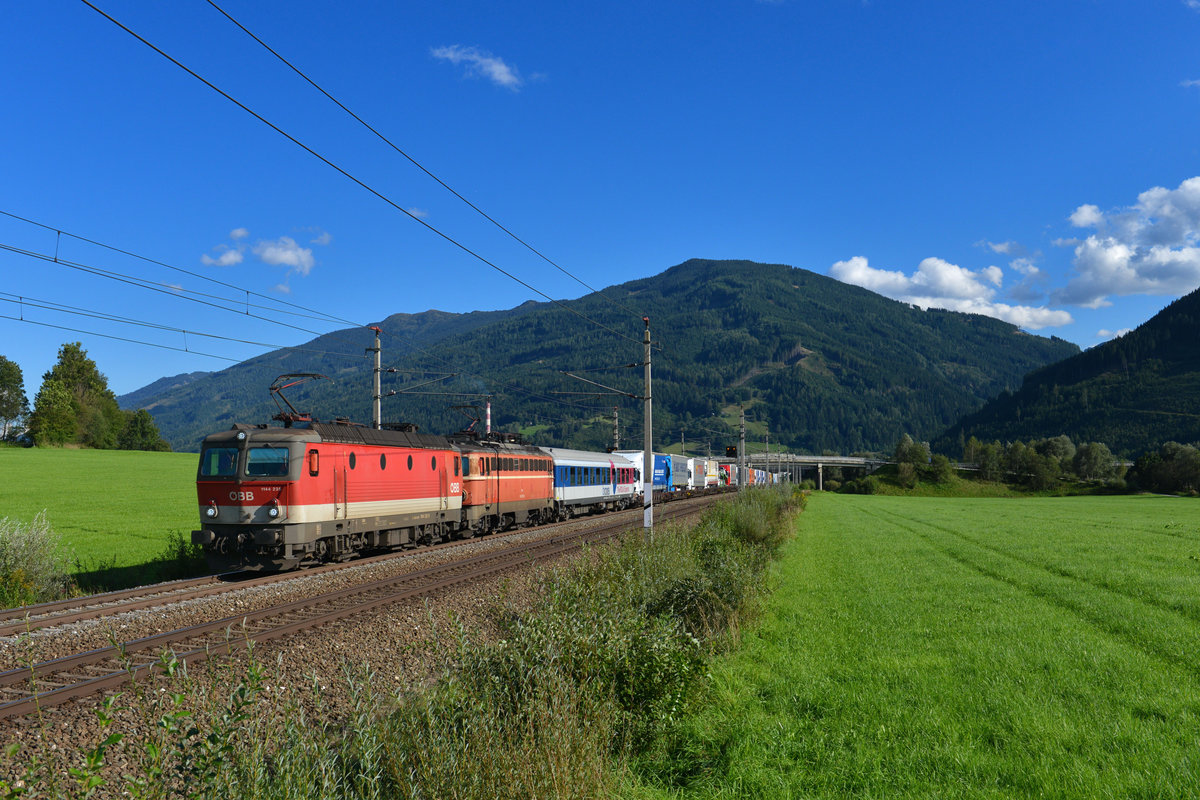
(14, 405)
(54, 419)
(140, 433)
(97, 417)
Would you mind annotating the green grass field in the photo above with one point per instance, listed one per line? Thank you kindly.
(936, 648)
(111, 508)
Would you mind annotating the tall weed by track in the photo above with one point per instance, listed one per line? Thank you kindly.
(585, 682)
(32, 566)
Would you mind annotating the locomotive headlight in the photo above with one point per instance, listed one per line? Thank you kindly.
(210, 512)
(241, 436)
(273, 511)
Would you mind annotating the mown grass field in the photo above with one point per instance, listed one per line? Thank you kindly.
(111, 508)
(930, 647)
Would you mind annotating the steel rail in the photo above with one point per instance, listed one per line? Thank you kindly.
(25, 619)
(128, 661)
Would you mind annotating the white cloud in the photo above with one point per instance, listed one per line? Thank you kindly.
(1066, 242)
(1004, 248)
(1104, 333)
(858, 272)
(323, 238)
(1151, 247)
(419, 213)
(285, 252)
(1086, 216)
(939, 284)
(228, 257)
(1188, 84)
(1033, 318)
(1025, 266)
(238, 233)
(480, 64)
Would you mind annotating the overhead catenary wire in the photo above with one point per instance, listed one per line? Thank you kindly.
(479, 257)
(418, 165)
(48, 305)
(163, 288)
(124, 339)
(226, 304)
(199, 275)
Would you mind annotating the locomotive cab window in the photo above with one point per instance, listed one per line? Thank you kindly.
(219, 462)
(266, 462)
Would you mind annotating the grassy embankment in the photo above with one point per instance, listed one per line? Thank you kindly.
(584, 683)
(113, 511)
(917, 647)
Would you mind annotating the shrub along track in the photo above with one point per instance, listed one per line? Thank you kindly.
(30, 689)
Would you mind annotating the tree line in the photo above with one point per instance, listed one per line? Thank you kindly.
(73, 406)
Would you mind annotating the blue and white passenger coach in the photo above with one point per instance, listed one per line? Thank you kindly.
(585, 482)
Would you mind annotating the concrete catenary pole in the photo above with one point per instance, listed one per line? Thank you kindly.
(767, 441)
(616, 430)
(647, 444)
(377, 395)
(742, 476)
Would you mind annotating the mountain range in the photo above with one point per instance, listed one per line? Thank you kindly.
(819, 364)
(1136, 391)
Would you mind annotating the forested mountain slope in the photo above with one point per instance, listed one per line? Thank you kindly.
(824, 364)
(1134, 392)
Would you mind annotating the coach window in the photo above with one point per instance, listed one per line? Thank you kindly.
(410, 463)
(313, 462)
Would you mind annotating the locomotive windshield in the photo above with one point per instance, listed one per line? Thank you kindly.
(266, 462)
(218, 462)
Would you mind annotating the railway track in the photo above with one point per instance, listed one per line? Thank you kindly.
(15, 621)
(28, 689)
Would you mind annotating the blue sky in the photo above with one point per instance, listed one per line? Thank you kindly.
(1036, 161)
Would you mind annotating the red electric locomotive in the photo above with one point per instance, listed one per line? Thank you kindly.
(276, 498)
(506, 484)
